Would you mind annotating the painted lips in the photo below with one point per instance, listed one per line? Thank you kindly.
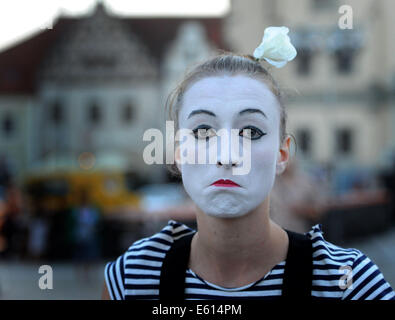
(225, 183)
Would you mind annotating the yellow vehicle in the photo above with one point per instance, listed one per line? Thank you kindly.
(108, 190)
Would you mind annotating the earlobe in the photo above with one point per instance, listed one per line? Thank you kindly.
(280, 168)
(281, 163)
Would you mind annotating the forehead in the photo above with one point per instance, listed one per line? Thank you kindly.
(224, 94)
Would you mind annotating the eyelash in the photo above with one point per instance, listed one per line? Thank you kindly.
(261, 134)
(201, 128)
(207, 128)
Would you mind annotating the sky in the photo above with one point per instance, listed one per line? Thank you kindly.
(20, 19)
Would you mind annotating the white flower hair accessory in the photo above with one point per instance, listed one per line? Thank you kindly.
(276, 47)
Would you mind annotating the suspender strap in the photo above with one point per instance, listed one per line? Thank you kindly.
(297, 280)
(298, 273)
(175, 264)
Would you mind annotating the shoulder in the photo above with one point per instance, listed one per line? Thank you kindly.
(137, 271)
(328, 254)
(345, 273)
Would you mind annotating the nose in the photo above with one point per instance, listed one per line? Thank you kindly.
(226, 165)
(227, 161)
(228, 156)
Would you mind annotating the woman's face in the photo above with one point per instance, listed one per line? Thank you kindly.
(231, 102)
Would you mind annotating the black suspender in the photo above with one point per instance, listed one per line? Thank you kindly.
(298, 272)
(175, 264)
(297, 280)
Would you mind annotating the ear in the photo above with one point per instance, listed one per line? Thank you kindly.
(283, 156)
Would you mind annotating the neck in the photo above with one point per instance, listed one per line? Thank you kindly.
(251, 244)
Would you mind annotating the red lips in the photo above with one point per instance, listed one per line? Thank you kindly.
(225, 183)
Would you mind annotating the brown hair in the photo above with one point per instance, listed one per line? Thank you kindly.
(226, 63)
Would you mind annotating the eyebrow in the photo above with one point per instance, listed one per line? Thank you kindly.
(249, 110)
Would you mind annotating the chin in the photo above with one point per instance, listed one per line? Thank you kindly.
(226, 214)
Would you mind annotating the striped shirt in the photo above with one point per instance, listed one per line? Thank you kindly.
(338, 273)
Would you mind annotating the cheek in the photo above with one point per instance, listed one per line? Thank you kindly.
(195, 179)
(189, 171)
(263, 173)
(263, 167)
(194, 176)
(264, 157)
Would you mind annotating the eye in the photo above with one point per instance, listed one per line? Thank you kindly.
(204, 132)
(251, 132)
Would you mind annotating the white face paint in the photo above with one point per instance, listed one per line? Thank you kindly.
(225, 97)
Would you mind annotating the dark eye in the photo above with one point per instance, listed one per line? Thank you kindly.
(251, 132)
(203, 132)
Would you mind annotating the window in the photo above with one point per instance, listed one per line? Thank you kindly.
(324, 4)
(345, 45)
(127, 113)
(344, 141)
(94, 114)
(344, 60)
(56, 113)
(304, 61)
(96, 60)
(303, 138)
(8, 125)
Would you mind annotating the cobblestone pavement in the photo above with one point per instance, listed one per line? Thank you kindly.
(19, 280)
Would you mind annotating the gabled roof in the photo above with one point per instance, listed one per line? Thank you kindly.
(19, 64)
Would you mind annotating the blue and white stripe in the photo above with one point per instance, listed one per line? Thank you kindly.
(136, 273)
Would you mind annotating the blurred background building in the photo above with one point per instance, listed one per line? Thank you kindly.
(341, 85)
(340, 93)
(94, 84)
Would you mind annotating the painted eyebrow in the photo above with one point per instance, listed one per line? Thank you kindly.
(250, 110)
(199, 111)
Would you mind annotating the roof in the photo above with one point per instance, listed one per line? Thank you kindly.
(19, 64)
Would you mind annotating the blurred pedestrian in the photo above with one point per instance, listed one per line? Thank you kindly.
(86, 219)
(38, 231)
(5, 172)
(37, 237)
(11, 216)
(3, 238)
